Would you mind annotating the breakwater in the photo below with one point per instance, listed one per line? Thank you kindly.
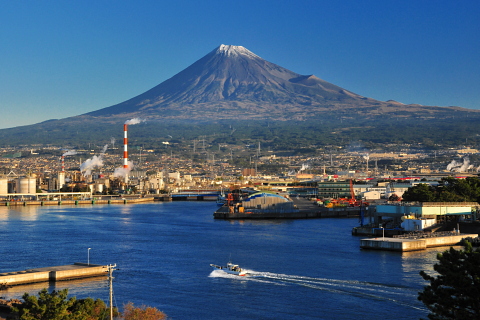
(111, 200)
(67, 272)
(76, 202)
(413, 243)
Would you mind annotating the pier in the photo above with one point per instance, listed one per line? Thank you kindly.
(75, 202)
(194, 196)
(67, 272)
(414, 243)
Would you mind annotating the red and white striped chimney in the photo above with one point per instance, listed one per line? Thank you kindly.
(63, 163)
(125, 146)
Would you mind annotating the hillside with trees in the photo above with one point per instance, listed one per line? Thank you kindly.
(449, 190)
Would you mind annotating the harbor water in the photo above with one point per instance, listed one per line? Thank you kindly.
(298, 269)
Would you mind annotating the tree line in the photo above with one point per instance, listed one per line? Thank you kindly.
(448, 190)
(56, 305)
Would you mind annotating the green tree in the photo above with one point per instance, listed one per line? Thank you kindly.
(467, 189)
(89, 309)
(450, 190)
(455, 292)
(51, 306)
(421, 192)
(448, 196)
(57, 306)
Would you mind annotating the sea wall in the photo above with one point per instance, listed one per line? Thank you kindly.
(73, 271)
(403, 245)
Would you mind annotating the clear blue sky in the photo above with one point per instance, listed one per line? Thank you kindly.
(64, 58)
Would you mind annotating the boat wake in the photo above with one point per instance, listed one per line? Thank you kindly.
(402, 295)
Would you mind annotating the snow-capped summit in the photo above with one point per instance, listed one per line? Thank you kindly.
(231, 51)
(232, 82)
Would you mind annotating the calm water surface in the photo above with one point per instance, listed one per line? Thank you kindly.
(300, 269)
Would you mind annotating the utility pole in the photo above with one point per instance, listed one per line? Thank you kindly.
(110, 276)
(140, 156)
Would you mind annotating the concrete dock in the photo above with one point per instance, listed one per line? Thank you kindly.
(412, 244)
(75, 202)
(58, 273)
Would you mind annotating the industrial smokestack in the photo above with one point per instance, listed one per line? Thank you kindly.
(61, 175)
(126, 166)
(68, 153)
(125, 146)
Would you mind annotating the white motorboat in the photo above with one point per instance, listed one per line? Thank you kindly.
(230, 268)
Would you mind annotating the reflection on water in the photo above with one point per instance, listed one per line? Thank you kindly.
(126, 209)
(24, 213)
(424, 260)
(80, 287)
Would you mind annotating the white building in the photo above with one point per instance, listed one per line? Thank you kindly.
(396, 188)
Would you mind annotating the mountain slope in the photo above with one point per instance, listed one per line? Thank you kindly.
(231, 82)
(232, 86)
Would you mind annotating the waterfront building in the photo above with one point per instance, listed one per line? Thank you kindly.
(396, 188)
(424, 214)
(333, 189)
(372, 195)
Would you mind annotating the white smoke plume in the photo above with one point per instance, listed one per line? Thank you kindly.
(123, 172)
(457, 166)
(465, 166)
(87, 167)
(69, 153)
(90, 164)
(104, 149)
(134, 121)
(304, 167)
(453, 164)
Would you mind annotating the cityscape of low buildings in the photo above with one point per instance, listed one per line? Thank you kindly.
(375, 176)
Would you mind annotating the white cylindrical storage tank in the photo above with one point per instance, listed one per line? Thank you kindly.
(27, 185)
(99, 187)
(61, 179)
(3, 185)
(32, 185)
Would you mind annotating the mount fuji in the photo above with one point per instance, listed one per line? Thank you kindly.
(232, 86)
(232, 82)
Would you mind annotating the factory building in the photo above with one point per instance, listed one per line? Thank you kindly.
(418, 216)
(333, 189)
